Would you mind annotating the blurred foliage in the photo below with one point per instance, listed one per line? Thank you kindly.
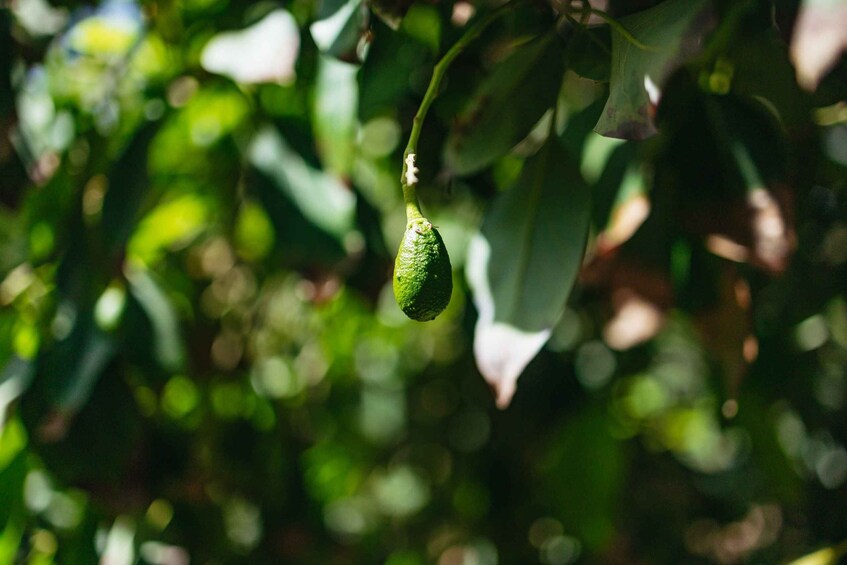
(200, 356)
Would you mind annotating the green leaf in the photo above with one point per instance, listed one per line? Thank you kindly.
(68, 371)
(13, 469)
(583, 496)
(589, 53)
(321, 197)
(167, 344)
(384, 77)
(826, 556)
(506, 106)
(392, 12)
(423, 23)
(670, 33)
(338, 31)
(129, 189)
(774, 82)
(91, 359)
(334, 114)
(522, 264)
(263, 52)
(819, 40)
(14, 380)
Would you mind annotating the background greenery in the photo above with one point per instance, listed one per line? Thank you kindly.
(201, 356)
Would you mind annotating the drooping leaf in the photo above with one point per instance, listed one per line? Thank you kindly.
(67, 371)
(263, 52)
(86, 366)
(339, 28)
(506, 106)
(523, 262)
(128, 188)
(820, 37)
(167, 340)
(670, 33)
(334, 116)
(321, 197)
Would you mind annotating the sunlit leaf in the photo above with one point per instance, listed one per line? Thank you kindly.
(263, 52)
(820, 37)
(522, 264)
(493, 122)
(12, 476)
(12, 441)
(825, 556)
(108, 33)
(423, 23)
(170, 225)
(254, 233)
(337, 33)
(336, 93)
(168, 345)
(670, 33)
(38, 17)
(319, 195)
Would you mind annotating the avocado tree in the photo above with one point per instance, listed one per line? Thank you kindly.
(615, 330)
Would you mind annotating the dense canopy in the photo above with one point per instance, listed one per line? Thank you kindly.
(644, 358)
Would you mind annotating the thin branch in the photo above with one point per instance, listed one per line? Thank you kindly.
(412, 207)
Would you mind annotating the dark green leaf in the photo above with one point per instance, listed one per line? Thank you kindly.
(589, 52)
(774, 82)
(168, 346)
(670, 33)
(128, 189)
(320, 196)
(384, 77)
(69, 369)
(522, 264)
(506, 106)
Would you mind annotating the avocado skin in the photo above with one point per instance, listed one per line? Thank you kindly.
(423, 277)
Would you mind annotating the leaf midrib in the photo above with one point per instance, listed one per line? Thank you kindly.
(526, 231)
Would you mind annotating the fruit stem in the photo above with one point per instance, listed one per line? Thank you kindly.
(409, 181)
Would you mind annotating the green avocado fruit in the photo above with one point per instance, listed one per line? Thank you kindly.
(423, 277)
